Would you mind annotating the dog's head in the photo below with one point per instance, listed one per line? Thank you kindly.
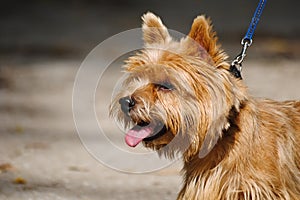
(176, 92)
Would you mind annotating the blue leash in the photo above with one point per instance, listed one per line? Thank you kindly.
(236, 65)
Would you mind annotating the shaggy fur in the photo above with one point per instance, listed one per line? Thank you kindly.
(234, 146)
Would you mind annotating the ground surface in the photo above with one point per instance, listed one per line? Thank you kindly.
(42, 156)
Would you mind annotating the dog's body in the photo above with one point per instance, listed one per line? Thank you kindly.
(258, 161)
(182, 98)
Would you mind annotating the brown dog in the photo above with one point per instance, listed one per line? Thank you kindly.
(180, 97)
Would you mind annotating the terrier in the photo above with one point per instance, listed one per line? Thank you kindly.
(180, 97)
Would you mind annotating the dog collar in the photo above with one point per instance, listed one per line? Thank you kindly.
(235, 71)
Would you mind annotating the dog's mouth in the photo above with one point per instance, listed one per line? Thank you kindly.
(144, 131)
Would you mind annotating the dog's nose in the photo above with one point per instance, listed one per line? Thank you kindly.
(126, 104)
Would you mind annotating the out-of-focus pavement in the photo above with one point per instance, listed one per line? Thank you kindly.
(39, 142)
(41, 155)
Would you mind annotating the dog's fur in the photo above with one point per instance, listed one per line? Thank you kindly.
(234, 146)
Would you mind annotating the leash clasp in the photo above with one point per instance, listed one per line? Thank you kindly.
(240, 58)
(237, 62)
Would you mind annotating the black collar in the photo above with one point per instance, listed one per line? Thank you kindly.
(235, 72)
(232, 120)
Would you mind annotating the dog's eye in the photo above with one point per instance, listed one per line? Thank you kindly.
(165, 86)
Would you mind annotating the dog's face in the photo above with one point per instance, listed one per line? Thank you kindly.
(175, 91)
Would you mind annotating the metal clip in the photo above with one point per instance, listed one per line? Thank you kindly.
(240, 58)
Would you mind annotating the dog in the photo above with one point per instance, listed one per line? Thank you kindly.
(180, 97)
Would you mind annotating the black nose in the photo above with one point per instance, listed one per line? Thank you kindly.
(126, 104)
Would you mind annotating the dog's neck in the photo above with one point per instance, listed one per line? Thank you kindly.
(222, 147)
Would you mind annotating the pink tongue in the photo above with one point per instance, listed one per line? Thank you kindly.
(134, 137)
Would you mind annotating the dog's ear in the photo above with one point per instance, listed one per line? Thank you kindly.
(202, 32)
(154, 30)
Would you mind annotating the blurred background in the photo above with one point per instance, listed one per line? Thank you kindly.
(42, 45)
(72, 28)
